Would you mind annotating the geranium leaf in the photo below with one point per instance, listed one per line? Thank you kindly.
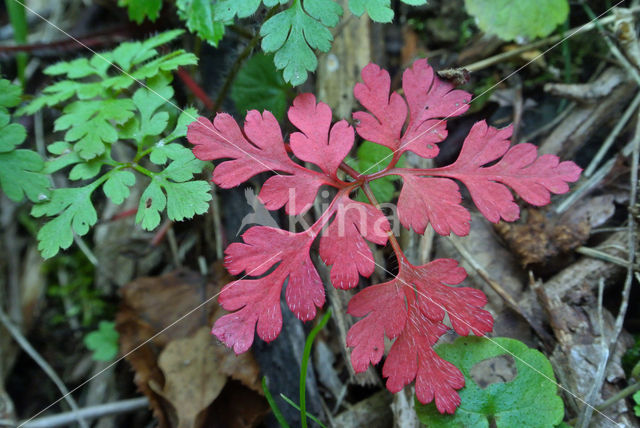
(534, 386)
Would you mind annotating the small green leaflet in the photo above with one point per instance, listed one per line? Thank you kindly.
(259, 86)
(530, 399)
(512, 19)
(636, 408)
(183, 199)
(89, 124)
(21, 174)
(226, 10)
(74, 214)
(103, 341)
(294, 32)
(20, 170)
(378, 10)
(141, 9)
(201, 19)
(9, 94)
(117, 186)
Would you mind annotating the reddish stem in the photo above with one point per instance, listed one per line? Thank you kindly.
(195, 88)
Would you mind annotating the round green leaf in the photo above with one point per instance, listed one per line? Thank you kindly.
(529, 400)
(511, 19)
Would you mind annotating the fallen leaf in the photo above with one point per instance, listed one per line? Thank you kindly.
(192, 377)
(150, 305)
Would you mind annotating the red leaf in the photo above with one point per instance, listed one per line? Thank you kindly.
(434, 201)
(533, 178)
(429, 100)
(261, 148)
(412, 357)
(412, 308)
(343, 247)
(462, 304)
(257, 300)
(384, 307)
(316, 144)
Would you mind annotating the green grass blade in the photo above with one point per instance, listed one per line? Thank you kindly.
(274, 407)
(295, 406)
(305, 364)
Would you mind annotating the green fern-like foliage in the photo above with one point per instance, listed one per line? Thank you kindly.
(118, 124)
(21, 170)
(293, 34)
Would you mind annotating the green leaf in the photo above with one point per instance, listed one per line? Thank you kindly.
(201, 19)
(152, 202)
(162, 152)
(11, 136)
(10, 94)
(75, 213)
(514, 19)
(261, 87)
(148, 101)
(140, 9)
(117, 186)
(183, 199)
(187, 116)
(21, 174)
(373, 158)
(530, 399)
(378, 10)
(293, 33)
(636, 408)
(89, 124)
(103, 341)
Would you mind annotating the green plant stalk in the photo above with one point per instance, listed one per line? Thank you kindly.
(274, 407)
(295, 406)
(18, 19)
(305, 363)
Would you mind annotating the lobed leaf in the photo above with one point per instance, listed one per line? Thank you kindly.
(294, 32)
(530, 399)
(141, 9)
(429, 101)
(201, 19)
(257, 301)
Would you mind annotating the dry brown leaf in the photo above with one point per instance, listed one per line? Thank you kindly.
(151, 304)
(192, 377)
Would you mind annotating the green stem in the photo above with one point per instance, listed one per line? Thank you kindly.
(295, 406)
(18, 18)
(305, 363)
(274, 407)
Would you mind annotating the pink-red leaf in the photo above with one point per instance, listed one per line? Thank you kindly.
(430, 100)
(257, 300)
(434, 201)
(261, 147)
(319, 143)
(343, 247)
(533, 178)
(412, 357)
(384, 308)
(412, 308)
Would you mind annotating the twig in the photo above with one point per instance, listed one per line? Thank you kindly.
(631, 239)
(26, 347)
(597, 254)
(498, 289)
(629, 390)
(585, 187)
(479, 65)
(612, 136)
(89, 413)
(585, 418)
(624, 62)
